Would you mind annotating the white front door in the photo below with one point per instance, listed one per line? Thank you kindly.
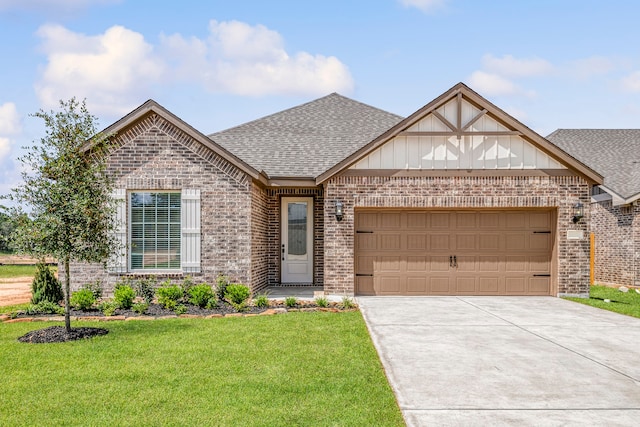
(297, 240)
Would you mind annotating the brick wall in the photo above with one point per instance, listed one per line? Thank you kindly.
(616, 241)
(560, 192)
(260, 245)
(155, 155)
(274, 197)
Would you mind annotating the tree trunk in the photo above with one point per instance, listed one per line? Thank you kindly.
(67, 292)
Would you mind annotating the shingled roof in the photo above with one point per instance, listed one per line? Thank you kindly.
(306, 140)
(614, 153)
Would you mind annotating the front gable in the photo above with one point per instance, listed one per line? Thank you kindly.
(461, 131)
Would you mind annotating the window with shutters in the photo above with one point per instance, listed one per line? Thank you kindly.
(155, 231)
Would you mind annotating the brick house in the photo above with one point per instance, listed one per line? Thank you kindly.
(459, 198)
(615, 213)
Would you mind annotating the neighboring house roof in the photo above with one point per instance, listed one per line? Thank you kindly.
(306, 140)
(462, 90)
(615, 153)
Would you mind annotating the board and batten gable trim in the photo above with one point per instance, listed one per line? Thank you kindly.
(458, 93)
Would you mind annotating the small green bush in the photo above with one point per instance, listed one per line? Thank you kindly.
(347, 303)
(169, 295)
(201, 295)
(322, 302)
(140, 307)
(221, 286)
(95, 287)
(108, 308)
(290, 302)
(82, 299)
(261, 301)
(181, 309)
(123, 295)
(146, 288)
(45, 286)
(44, 307)
(237, 295)
(186, 285)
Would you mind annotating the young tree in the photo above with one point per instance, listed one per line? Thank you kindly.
(71, 215)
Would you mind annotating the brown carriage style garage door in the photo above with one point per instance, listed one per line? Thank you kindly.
(465, 252)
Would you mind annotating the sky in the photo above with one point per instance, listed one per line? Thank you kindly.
(219, 63)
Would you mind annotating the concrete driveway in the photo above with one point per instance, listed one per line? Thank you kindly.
(507, 360)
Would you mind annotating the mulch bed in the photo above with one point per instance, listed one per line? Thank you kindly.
(59, 334)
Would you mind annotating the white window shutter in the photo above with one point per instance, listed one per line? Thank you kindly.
(118, 262)
(191, 231)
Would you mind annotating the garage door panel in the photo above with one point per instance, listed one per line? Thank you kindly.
(365, 285)
(439, 264)
(417, 242)
(474, 252)
(440, 242)
(417, 285)
(417, 264)
(388, 242)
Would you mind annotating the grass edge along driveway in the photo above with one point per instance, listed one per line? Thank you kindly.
(619, 302)
(293, 369)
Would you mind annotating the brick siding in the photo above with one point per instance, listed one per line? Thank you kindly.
(560, 192)
(617, 234)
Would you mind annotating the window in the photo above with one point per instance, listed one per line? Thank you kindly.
(155, 231)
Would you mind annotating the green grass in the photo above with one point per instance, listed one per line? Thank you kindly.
(11, 308)
(624, 303)
(18, 270)
(315, 369)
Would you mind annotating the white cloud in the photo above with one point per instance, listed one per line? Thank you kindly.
(490, 84)
(118, 69)
(426, 6)
(509, 66)
(112, 70)
(589, 67)
(9, 126)
(251, 60)
(631, 82)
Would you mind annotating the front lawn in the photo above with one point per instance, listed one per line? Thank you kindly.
(291, 369)
(621, 302)
(9, 271)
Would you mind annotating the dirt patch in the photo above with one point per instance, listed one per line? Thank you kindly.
(22, 259)
(16, 290)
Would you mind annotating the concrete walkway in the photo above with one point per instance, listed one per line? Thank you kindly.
(507, 360)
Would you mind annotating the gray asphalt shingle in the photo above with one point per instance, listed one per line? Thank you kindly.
(614, 153)
(306, 140)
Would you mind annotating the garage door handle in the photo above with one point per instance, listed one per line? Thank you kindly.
(450, 260)
(455, 261)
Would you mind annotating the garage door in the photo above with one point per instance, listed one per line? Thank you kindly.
(409, 252)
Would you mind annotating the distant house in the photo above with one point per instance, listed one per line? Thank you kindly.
(459, 198)
(615, 219)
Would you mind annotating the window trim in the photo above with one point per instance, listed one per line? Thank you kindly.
(130, 268)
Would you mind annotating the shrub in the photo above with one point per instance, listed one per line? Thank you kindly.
(95, 287)
(82, 299)
(322, 302)
(169, 295)
(347, 303)
(261, 301)
(201, 295)
(181, 309)
(186, 285)
(290, 302)
(123, 295)
(45, 286)
(237, 294)
(221, 286)
(44, 307)
(146, 289)
(108, 308)
(140, 307)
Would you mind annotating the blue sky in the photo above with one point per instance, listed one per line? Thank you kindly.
(550, 63)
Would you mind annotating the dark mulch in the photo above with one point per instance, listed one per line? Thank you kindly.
(59, 334)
